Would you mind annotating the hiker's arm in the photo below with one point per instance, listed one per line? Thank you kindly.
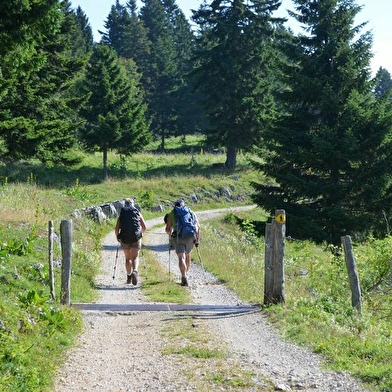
(143, 224)
(198, 231)
(168, 227)
(117, 228)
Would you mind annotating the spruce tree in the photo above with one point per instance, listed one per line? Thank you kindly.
(136, 42)
(114, 112)
(161, 75)
(39, 109)
(383, 83)
(115, 26)
(189, 115)
(236, 68)
(329, 156)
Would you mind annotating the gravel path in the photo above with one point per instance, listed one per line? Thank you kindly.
(122, 351)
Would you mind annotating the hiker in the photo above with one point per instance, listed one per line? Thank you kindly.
(183, 228)
(129, 230)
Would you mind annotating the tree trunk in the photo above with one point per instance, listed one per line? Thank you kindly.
(231, 158)
(105, 164)
(162, 147)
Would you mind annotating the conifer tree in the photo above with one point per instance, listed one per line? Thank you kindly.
(114, 111)
(115, 26)
(160, 76)
(39, 109)
(187, 103)
(83, 40)
(329, 157)
(236, 68)
(383, 83)
(136, 42)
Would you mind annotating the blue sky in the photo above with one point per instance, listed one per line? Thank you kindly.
(376, 12)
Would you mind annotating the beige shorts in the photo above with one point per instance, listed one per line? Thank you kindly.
(184, 245)
(135, 245)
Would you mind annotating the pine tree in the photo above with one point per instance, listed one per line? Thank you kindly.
(136, 42)
(235, 70)
(330, 155)
(39, 109)
(161, 75)
(114, 112)
(383, 83)
(83, 39)
(115, 25)
(189, 115)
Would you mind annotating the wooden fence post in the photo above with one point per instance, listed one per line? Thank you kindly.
(268, 276)
(352, 273)
(66, 252)
(274, 291)
(50, 247)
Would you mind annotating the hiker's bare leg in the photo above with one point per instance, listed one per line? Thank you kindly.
(187, 261)
(134, 256)
(182, 264)
(128, 261)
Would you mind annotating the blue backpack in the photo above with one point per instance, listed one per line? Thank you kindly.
(185, 222)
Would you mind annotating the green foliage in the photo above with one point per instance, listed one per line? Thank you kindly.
(318, 312)
(160, 287)
(236, 72)
(114, 111)
(78, 193)
(38, 112)
(18, 247)
(146, 199)
(330, 121)
(35, 330)
(374, 263)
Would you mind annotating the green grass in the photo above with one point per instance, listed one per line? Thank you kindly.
(317, 312)
(35, 330)
(158, 285)
(205, 359)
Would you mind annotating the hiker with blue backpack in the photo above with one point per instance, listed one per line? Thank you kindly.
(183, 228)
(129, 230)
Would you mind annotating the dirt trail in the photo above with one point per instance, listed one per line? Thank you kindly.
(122, 351)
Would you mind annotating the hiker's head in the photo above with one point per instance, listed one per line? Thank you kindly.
(179, 203)
(129, 201)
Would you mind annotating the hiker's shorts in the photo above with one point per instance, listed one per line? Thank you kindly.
(135, 245)
(184, 245)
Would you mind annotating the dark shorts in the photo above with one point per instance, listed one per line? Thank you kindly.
(135, 245)
(184, 245)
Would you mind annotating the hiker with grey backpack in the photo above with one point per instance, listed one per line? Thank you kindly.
(129, 230)
(183, 228)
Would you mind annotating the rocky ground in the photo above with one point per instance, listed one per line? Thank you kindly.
(123, 348)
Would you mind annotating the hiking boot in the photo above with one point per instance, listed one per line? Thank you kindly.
(184, 281)
(134, 278)
(129, 279)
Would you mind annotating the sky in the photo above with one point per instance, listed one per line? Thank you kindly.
(376, 12)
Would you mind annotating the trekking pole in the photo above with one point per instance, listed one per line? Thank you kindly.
(144, 259)
(198, 253)
(115, 262)
(169, 258)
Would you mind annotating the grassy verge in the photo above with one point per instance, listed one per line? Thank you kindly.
(317, 312)
(35, 330)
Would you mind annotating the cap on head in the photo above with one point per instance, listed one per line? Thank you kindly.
(129, 201)
(179, 203)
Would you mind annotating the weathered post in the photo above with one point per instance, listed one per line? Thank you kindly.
(352, 273)
(274, 288)
(66, 252)
(268, 276)
(50, 247)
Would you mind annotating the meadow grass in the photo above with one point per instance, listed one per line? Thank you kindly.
(317, 312)
(35, 330)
